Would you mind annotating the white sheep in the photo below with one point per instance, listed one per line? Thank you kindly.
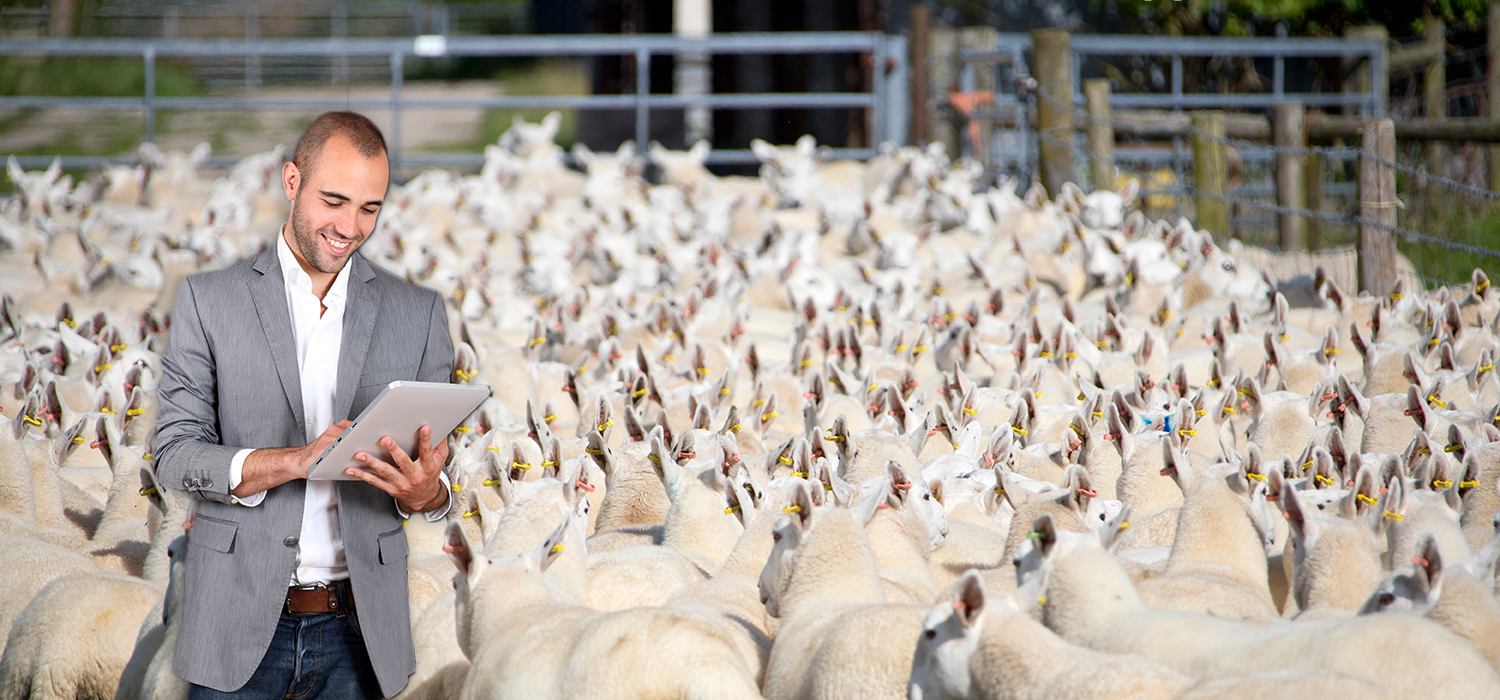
(1091, 602)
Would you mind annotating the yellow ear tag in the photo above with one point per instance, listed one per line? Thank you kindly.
(1394, 516)
(792, 509)
(1365, 499)
(556, 548)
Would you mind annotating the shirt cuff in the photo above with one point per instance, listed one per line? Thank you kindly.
(236, 474)
(435, 514)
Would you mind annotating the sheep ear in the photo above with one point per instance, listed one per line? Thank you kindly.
(736, 505)
(1043, 535)
(1429, 562)
(1360, 344)
(1296, 517)
(800, 506)
(551, 548)
(1363, 499)
(1472, 471)
(917, 438)
(1392, 505)
(969, 598)
(900, 485)
(1117, 432)
(731, 421)
(552, 458)
(598, 451)
(1416, 407)
(936, 488)
(460, 552)
(1411, 368)
(1109, 533)
(634, 431)
(536, 428)
(664, 465)
(1176, 465)
(1080, 488)
(154, 492)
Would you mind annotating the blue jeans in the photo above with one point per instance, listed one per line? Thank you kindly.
(318, 656)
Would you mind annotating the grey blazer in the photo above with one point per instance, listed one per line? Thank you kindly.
(230, 381)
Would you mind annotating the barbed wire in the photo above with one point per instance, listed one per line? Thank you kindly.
(1349, 218)
(1330, 217)
(1329, 152)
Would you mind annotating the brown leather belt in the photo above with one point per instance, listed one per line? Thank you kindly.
(335, 597)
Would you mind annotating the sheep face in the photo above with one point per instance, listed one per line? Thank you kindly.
(1414, 590)
(950, 635)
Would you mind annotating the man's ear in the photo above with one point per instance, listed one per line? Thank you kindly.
(291, 178)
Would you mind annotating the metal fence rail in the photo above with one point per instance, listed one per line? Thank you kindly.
(886, 101)
(1011, 104)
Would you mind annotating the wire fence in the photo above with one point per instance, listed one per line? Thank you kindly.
(1347, 218)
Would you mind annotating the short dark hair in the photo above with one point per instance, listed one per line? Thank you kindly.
(360, 131)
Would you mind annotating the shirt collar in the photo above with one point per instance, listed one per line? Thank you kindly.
(297, 278)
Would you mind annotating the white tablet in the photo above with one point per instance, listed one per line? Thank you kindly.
(399, 411)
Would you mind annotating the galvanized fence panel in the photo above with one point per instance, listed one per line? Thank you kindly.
(886, 98)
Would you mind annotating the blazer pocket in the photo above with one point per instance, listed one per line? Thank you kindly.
(386, 376)
(217, 535)
(393, 547)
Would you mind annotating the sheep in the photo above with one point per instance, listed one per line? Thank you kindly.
(903, 535)
(526, 637)
(973, 648)
(1337, 557)
(1218, 561)
(148, 674)
(1460, 598)
(837, 636)
(62, 646)
(1090, 601)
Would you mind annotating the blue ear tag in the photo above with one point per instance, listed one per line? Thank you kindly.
(1166, 423)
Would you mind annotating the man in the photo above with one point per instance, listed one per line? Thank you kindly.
(297, 588)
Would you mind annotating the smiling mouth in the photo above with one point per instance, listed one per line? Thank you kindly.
(339, 246)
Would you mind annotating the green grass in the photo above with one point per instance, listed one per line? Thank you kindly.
(1442, 213)
(86, 76)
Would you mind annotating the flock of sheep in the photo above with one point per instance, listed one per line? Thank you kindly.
(844, 430)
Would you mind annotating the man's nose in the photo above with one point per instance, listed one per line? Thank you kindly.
(347, 223)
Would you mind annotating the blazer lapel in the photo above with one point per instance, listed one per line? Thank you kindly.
(268, 293)
(360, 310)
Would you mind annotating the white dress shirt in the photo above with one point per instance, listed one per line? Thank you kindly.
(319, 336)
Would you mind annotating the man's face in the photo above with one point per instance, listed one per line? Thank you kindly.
(335, 206)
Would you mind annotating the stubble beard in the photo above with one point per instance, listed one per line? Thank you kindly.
(311, 247)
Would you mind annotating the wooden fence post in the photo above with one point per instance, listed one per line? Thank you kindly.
(1286, 132)
(1052, 53)
(921, 16)
(942, 72)
(1492, 105)
(1314, 172)
(1377, 204)
(1101, 133)
(1435, 86)
(1210, 172)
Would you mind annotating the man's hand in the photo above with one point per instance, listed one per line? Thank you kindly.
(269, 468)
(414, 484)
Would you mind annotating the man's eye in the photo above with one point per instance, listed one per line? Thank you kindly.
(371, 211)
